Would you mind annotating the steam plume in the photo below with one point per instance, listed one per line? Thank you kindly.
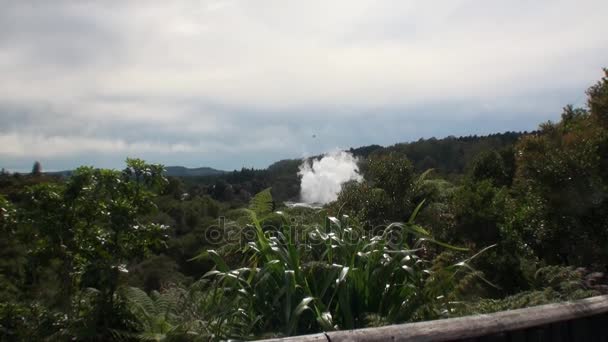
(323, 178)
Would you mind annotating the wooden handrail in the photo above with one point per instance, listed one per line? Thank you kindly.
(468, 326)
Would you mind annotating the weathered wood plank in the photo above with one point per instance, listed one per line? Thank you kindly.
(471, 326)
(302, 338)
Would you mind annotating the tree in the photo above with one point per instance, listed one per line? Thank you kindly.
(391, 193)
(598, 100)
(477, 210)
(564, 169)
(92, 225)
(174, 188)
(482, 215)
(489, 165)
(12, 254)
(36, 169)
(363, 203)
(394, 174)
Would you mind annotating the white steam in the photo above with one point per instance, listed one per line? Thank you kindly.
(322, 180)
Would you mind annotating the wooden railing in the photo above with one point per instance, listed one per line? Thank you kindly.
(582, 320)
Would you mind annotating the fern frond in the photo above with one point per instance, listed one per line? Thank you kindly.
(262, 203)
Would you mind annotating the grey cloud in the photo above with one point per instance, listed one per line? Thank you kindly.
(232, 83)
(58, 34)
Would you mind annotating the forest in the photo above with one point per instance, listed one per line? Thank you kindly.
(437, 228)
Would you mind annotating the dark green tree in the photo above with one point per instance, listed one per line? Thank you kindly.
(564, 168)
(477, 209)
(481, 215)
(37, 169)
(12, 255)
(489, 165)
(598, 100)
(394, 174)
(363, 203)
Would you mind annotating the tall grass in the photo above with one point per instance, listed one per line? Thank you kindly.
(331, 275)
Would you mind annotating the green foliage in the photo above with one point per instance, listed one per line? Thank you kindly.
(598, 100)
(363, 203)
(159, 315)
(174, 188)
(21, 322)
(477, 210)
(262, 203)
(450, 156)
(394, 174)
(192, 314)
(335, 275)
(157, 272)
(88, 229)
(390, 194)
(489, 165)
(564, 170)
(12, 254)
(185, 215)
(550, 284)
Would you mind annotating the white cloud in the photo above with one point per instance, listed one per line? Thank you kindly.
(260, 76)
(60, 146)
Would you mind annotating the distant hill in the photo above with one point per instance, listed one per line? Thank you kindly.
(64, 173)
(180, 171)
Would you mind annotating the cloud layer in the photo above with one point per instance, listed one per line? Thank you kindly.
(240, 83)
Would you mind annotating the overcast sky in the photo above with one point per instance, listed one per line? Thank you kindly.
(226, 83)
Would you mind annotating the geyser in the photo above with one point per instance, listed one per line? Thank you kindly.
(323, 178)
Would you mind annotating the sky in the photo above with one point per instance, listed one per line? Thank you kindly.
(231, 84)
